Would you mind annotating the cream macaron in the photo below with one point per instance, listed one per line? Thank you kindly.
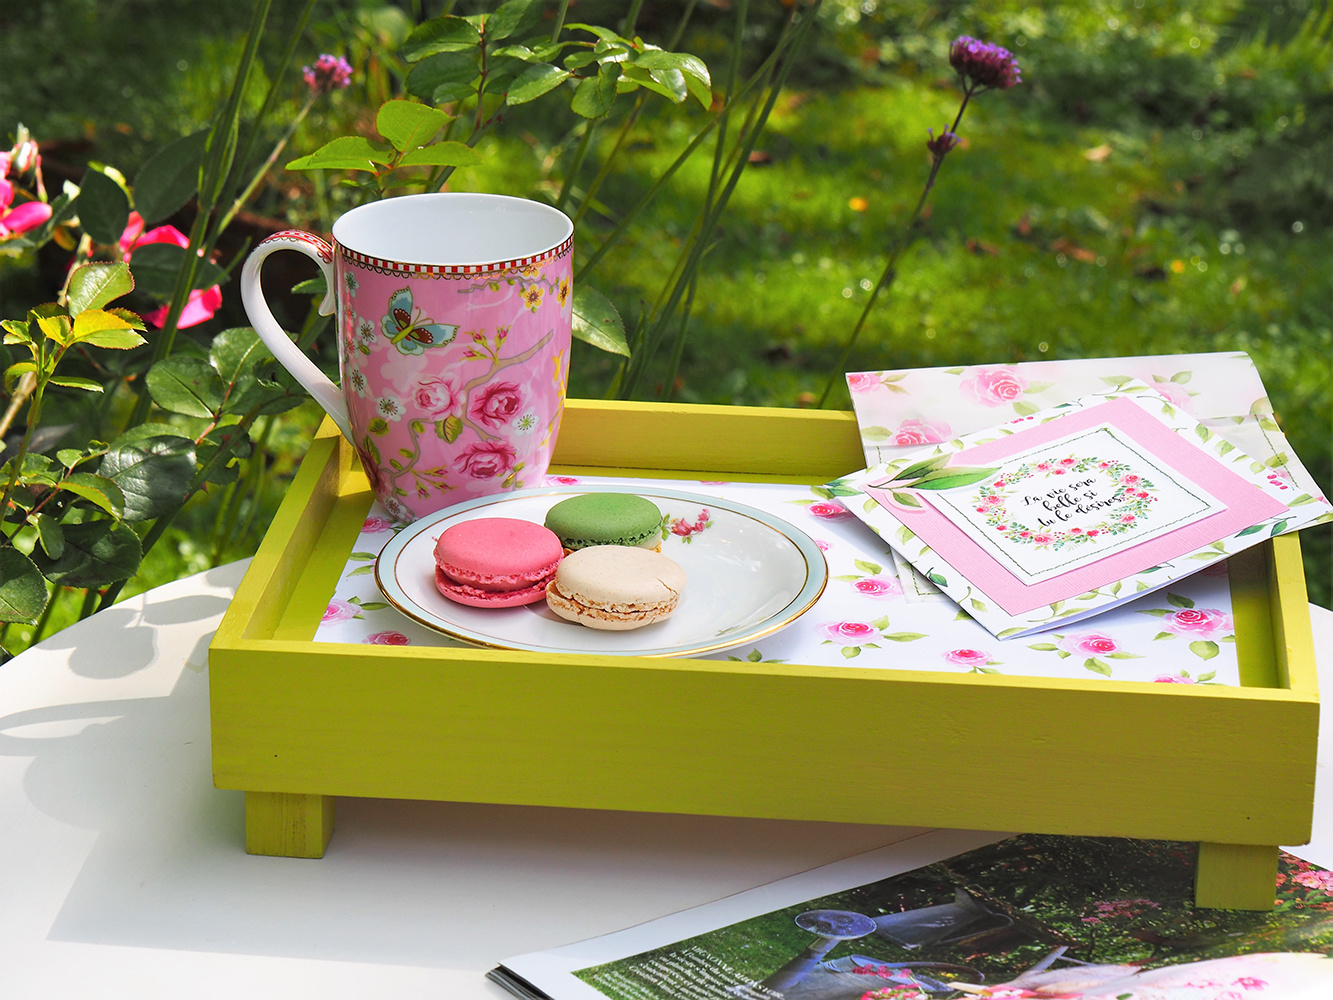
(615, 587)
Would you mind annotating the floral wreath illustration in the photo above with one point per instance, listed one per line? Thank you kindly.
(1129, 504)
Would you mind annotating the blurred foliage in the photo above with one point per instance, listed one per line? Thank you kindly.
(1161, 181)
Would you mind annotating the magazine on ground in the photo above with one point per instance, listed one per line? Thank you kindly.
(1061, 514)
(957, 914)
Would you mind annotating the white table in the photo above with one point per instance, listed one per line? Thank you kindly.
(122, 871)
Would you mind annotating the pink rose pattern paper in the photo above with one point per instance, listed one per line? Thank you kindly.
(902, 410)
(863, 618)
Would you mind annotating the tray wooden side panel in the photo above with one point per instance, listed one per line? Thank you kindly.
(1223, 765)
(726, 440)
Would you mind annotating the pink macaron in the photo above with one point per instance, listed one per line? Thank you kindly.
(496, 562)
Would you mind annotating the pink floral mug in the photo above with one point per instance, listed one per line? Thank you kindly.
(453, 315)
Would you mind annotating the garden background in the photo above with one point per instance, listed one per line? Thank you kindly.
(1161, 181)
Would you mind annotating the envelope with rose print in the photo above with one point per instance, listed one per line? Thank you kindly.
(1063, 513)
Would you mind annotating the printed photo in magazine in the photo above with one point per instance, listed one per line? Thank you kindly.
(1025, 917)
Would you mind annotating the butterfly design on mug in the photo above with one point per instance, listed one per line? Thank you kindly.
(408, 329)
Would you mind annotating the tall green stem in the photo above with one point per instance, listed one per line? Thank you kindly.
(890, 272)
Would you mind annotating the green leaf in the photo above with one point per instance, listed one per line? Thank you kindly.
(347, 152)
(535, 81)
(1025, 409)
(407, 124)
(441, 154)
(50, 536)
(1044, 647)
(103, 206)
(948, 479)
(1178, 601)
(511, 18)
(98, 489)
(100, 328)
(440, 34)
(902, 636)
(378, 425)
(170, 178)
(187, 384)
(1277, 529)
(868, 567)
(938, 580)
(850, 651)
(906, 499)
(595, 95)
(96, 554)
(155, 266)
(153, 473)
(93, 285)
(449, 428)
(1097, 666)
(75, 382)
(917, 469)
(22, 589)
(597, 322)
(444, 77)
(1204, 649)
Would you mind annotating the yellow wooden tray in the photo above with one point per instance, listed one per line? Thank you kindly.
(295, 723)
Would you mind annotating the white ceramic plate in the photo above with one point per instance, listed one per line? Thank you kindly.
(749, 574)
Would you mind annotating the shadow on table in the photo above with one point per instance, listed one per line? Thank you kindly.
(413, 883)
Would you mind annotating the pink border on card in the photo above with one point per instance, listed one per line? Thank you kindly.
(1246, 504)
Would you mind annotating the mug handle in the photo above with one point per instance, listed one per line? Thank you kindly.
(325, 393)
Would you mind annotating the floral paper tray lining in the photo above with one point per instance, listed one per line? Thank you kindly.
(863, 618)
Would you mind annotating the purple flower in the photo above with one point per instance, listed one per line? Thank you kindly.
(984, 64)
(328, 73)
(939, 146)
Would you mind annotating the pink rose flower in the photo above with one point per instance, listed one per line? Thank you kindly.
(374, 525)
(916, 431)
(1201, 623)
(438, 397)
(994, 386)
(822, 546)
(828, 509)
(1089, 643)
(201, 304)
(1126, 518)
(496, 403)
(876, 587)
(561, 481)
(1041, 538)
(387, 639)
(487, 459)
(1173, 679)
(862, 381)
(16, 221)
(849, 633)
(1323, 881)
(967, 657)
(1129, 480)
(338, 611)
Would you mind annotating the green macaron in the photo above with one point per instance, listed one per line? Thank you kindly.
(604, 519)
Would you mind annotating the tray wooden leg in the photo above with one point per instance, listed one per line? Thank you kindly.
(285, 825)
(1236, 877)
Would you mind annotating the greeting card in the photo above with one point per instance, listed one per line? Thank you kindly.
(1062, 513)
